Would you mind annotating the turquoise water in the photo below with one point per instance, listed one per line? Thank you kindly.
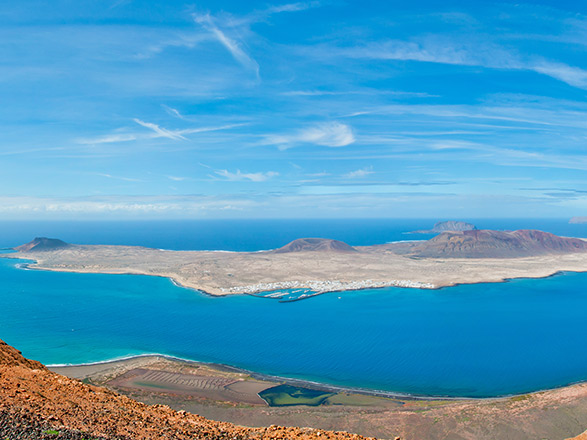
(477, 340)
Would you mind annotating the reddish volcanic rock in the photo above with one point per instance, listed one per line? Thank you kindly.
(580, 437)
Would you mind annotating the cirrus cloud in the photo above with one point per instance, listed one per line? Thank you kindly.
(328, 134)
(253, 177)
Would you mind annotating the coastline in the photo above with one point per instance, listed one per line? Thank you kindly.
(34, 264)
(558, 413)
(27, 265)
(303, 383)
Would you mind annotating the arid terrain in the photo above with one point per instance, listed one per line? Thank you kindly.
(208, 390)
(327, 265)
(37, 403)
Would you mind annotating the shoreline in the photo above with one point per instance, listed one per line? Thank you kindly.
(224, 292)
(305, 383)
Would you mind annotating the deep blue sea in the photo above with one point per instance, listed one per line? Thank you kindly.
(473, 340)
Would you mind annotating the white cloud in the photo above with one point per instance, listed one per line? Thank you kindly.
(108, 139)
(573, 76)
(173, 112)
(328, 134)
(362, 172)
(126, 179)
(291, 7)
(446, 51)
(162, 132)
(124, 205)
(158, 132)
(231, 45)
(253, 177)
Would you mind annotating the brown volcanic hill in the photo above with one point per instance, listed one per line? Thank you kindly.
(42, 244)
(497, 244)
(34, 400)
(315, 245)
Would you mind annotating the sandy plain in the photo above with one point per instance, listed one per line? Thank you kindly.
(222, 273)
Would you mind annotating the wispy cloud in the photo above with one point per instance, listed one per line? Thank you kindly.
(329, 134)
(173, 112)
(357, 92)
(290, 7)
(253, 177)
(162, 132)
(233, 46)
(573, 76)
(126, 179)
(157, 132)
(361, 172)
(442, 50)
(108, 139)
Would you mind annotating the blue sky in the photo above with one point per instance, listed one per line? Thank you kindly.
(230, 109)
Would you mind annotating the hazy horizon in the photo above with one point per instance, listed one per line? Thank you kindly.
(135, 109)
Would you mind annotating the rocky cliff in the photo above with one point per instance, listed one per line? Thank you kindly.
(36, 403)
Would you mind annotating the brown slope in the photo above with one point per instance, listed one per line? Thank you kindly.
(42, 244)
(580, 437)
(315, 245)
(497, 244)
(33, 399)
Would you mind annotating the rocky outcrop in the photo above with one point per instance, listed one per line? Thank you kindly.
(497, 244)
(315, 245)
(42, 244)
(35, 403)
(11, 357)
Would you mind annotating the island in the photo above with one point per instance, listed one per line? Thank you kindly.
(322, 265)
(449, 225)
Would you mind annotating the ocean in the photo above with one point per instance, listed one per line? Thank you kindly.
(251, 235)
(478, 340)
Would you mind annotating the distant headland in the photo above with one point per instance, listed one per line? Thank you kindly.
(450, 225)
(578, 220)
